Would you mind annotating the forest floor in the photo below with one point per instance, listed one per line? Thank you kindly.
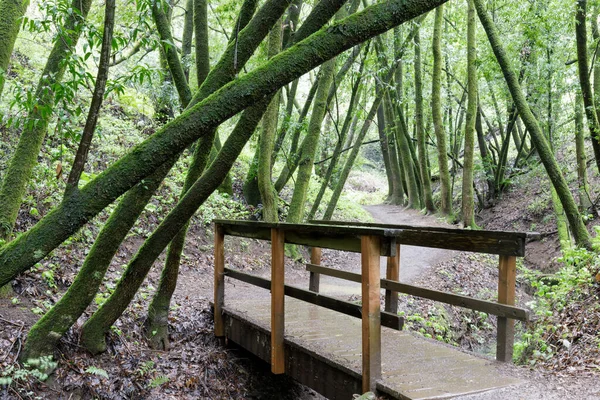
(198, 366)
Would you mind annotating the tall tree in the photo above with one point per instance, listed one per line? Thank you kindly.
(267, 140)
(420, 130)
(436, 111)
(468, 214)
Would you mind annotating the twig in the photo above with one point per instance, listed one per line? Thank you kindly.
(10, 322)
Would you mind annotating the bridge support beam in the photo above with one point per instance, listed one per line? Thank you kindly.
(393, 274)
(371, 312)
(315, 277)
(219, 284)
(507, 275)
(277, 301)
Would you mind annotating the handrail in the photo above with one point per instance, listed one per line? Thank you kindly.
(345, 236)
(488, 307)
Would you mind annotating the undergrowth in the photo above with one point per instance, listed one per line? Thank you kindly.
(564, 334)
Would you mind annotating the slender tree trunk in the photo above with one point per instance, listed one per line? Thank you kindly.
(585, 202)
(186, 39)
(468, 214)
(23, 252)
(580, 233)
(11, 18)
(436, 111)
(97, 99)
(423, 155)
(584, 78)
(396, 167)
(485, 157)
(25, 156)
(267, 140)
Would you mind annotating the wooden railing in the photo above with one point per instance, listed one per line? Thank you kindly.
(372, 241)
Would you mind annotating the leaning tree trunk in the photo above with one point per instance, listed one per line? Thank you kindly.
(23, 252)
(25, 156)
(468, 202)
(11, 18)
(580, 233)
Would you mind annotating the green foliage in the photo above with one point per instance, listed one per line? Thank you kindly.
(221, 205)
(552, 294)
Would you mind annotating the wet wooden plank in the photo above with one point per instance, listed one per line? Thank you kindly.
(507, 275)
(489, 307)
(371, 310)
(277, 301)
(412, 367)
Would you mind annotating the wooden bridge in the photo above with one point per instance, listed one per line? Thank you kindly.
(339, 348)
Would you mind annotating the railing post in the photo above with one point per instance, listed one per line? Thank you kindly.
(315, 277)
(507, 273)
(219, 284)
(393, 274)
(277, 300)
(371, 312)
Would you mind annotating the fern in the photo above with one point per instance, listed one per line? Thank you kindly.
(158, 381)
(97, 371)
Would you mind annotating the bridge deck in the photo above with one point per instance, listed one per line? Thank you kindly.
(412, 367)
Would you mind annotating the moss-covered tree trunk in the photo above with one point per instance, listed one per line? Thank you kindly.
(11, 18)
(580, 233)
(267, 140)
(436, 112)
(23, 252)
(25, 156)
(420, 130)
(468, 201)
(584, 78)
